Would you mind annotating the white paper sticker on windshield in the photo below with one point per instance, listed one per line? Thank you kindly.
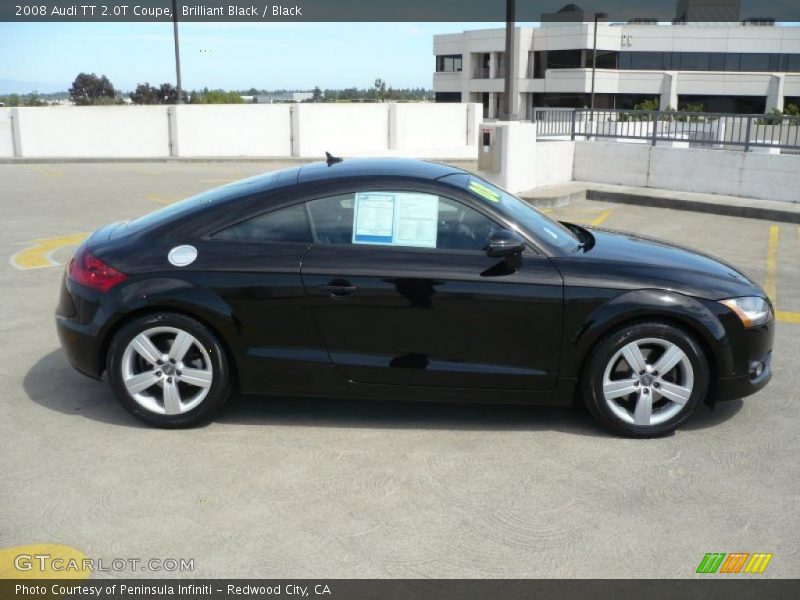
(396, 219)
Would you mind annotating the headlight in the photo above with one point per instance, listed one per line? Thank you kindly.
(752, 310)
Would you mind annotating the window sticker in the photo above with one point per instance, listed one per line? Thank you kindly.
(484, 192)
(396, 219)
(374, 218)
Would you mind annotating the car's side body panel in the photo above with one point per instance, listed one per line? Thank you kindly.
(421, 324)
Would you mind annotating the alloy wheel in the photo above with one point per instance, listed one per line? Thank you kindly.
(648, 381)
(166, 370)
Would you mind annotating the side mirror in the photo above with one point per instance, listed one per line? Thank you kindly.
(504, 243)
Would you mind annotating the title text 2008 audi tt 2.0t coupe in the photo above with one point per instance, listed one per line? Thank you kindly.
(404, 279)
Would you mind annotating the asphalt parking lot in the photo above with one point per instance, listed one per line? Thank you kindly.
(307, 488)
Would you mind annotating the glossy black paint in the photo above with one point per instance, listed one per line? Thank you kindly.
(404, 323)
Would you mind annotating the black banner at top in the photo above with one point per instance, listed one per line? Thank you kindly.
(755, 12)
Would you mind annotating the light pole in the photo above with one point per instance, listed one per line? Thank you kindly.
(597, 16)
(510, 78)
(177, 48)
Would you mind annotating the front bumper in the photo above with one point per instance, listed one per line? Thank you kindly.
(750, 365)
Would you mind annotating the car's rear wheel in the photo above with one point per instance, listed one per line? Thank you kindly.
(645, 379)
(168, 370)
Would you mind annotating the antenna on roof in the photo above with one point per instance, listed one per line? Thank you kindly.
(330, 159)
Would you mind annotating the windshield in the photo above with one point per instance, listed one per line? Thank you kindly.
(550, 232)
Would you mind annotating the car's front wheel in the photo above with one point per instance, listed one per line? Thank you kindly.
(645, 379)
(168, 370)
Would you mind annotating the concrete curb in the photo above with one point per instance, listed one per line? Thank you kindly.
(743, 207)
(748, 212)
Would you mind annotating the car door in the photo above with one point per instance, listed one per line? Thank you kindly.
(253, 265)
(404, 294)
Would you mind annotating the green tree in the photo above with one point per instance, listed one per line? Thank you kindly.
(88, 89)
(207, 96)
(791, 110)
(649, 104)
(144, 94)
(380, 89)
(316, 95)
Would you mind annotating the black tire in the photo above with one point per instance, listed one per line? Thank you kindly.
(605, 351)
(218, 391)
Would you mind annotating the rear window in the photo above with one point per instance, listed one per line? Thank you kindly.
(177, 209)
(252, 185)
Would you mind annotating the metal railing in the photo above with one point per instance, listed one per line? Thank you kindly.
(688, 129)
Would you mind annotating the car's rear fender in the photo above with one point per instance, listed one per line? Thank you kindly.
(177, 295)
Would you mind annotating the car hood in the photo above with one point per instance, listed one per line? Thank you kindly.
(633, 261)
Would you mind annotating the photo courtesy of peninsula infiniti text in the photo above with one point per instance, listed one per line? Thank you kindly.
(402, 279)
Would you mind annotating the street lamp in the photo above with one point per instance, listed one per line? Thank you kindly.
(597, 16)
(511, 81)
(177, 49)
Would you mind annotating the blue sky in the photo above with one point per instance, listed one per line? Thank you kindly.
(47, 56)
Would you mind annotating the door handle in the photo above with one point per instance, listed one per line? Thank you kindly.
(338, 287)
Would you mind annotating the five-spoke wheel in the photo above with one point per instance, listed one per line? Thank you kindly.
(168, 370)
(646, 379)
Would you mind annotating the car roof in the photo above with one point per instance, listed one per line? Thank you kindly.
(375, 167)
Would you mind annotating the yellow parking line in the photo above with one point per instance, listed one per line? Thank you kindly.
(787, 316)
(46, 171)
(772, 263)
(39, 255)
(160, 200)
(600, 219)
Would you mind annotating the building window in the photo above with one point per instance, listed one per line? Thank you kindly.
(606, 59)
(724, 104)
(565, 59)
(448, 63)
(709, 61)
(448, 97)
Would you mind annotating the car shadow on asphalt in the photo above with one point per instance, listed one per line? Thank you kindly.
(52, 383)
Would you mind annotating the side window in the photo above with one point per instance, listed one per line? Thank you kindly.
(283, 225)
(462, 228)
(404, 219)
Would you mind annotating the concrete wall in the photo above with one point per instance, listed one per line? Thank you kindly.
(526, 163)
(341, 129)
(732, 173)
(95, 131)
(248, 130)
(6, 133)
(423, 129)
(260, 130)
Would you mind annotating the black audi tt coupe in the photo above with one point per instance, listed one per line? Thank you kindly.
(404, 279)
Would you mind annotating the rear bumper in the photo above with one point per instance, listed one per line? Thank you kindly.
(80, 346)
(78, 332)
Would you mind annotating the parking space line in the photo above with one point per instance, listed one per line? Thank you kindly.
(787, 316)
(46, 171)
(772, 263)
(39, 255)
(600, 219)
(159, 199)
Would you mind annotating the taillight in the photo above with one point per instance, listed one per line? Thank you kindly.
(88, 270)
